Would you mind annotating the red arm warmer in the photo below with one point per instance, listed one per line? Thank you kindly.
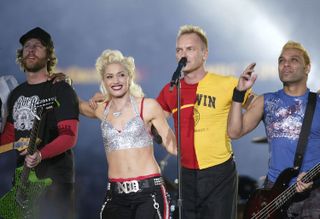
(68, 134)
(8, 134)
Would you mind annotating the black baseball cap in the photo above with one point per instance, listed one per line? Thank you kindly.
(37, 33)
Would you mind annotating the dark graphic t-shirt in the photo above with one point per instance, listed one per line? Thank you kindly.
(22, 113)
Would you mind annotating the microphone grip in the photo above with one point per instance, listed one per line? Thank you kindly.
(176, 74)
(174, 79)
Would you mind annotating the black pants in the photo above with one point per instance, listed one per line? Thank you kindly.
(210, 193)
(138, 205)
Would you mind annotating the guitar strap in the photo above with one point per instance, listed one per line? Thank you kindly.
(305, 130)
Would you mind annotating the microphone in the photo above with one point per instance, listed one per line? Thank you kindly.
(176, 74)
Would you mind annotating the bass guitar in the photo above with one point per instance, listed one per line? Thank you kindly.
(20, 201)
(273, 203)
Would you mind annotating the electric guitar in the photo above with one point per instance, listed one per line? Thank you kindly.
(19, 145)
(20, 201)
(273, 203)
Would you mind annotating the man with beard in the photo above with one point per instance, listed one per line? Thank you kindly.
(58, 129)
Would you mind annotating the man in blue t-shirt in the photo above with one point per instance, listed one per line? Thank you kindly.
(283, 112)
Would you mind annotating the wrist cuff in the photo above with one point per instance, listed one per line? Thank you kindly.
(238, 96)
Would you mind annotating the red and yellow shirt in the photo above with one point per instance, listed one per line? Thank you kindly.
(204, 113)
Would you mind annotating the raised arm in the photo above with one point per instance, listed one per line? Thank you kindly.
(94, 107)
(156, 115)
(240, 123)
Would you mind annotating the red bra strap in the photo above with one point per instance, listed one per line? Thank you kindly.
(107, 103)
(141, 108)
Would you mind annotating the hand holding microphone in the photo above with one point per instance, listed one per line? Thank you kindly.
(177, 73)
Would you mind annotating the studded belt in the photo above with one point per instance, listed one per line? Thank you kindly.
(134, 185)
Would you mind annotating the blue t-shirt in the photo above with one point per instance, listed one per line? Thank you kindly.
(283, 117)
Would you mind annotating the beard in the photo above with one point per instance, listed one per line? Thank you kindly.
(35, 66)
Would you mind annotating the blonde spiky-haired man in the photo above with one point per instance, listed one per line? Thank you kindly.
(209, 176)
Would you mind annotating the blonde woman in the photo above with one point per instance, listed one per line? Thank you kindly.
(135, 188)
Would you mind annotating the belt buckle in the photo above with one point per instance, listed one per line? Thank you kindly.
(158, 181)
(128, 186)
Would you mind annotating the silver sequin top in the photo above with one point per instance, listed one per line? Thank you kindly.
(133, 135)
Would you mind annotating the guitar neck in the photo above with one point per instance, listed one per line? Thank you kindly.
(311, 174)
(32, 147)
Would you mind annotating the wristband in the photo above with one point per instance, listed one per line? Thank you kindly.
(238, 96)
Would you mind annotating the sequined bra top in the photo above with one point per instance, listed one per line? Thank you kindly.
(133, 135)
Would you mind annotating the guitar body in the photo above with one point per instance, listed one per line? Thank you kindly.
(257, 204)
(20, 201)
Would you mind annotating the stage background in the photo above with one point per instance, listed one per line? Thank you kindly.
(239, 32)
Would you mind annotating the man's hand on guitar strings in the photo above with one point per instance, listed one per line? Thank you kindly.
(301, 186)
(33, 160)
